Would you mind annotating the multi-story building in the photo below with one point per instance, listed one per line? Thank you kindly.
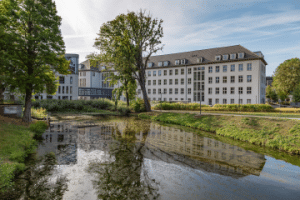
(92, 83)
(224, 75)
(68, 88)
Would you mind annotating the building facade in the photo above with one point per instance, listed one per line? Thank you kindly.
(226, 75)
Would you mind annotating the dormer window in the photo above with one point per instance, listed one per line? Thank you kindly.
(150, 64)
(177, 62)
(200, 60)
(241, 55)
(159, 64)
(218, 58)
(166, 63)
(232, 56)
(183, 61)
(225, 57)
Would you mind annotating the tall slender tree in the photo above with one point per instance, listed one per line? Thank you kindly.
(128, 41)
(32, 48)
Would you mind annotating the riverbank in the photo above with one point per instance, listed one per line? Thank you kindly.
(281, 134)
(17, 141)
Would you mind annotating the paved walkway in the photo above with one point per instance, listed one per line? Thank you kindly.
(206, 113)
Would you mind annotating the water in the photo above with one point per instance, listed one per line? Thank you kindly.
(127, 158)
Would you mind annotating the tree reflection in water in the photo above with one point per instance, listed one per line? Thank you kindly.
(123, 175)
(35, 182)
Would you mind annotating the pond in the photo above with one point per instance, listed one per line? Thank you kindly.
(129, 158)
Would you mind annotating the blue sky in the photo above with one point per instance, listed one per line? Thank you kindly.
(272, 27)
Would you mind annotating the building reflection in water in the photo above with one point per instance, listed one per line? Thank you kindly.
(164, 143)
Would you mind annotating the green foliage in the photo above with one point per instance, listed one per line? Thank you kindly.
(128, 41)
(138, 105)
(38, 128)
(287, 77)
(250, 122)
(244, 107)
(296, 93)
(124, 110)
(271, 94)
(178, 106)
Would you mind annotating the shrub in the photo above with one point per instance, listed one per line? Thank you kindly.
(178, 106)
(244, 107)
(38, 128)
(138, 105)
(124, 110)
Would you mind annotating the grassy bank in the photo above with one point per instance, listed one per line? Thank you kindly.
(17, 141)
(275, 133)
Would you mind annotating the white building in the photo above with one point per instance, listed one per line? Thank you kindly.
(224, 75)
(68, 88)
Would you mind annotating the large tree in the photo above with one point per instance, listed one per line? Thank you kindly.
(32, 48)
(128, 41)
(287, 76)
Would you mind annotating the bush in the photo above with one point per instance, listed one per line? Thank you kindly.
(138, 105)
(38, 128)
(124, 110)
(244, 107)
(178, 106)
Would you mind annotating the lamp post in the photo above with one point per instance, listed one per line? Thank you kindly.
(239, 100)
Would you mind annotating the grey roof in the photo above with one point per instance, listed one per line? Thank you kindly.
(208, 55)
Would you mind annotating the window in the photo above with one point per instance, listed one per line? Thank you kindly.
(176, 90)
(241, 55)
(59, 97)
(217, 90)
(217, 101)
(249, 78)
(170, 91)
(171, 72)
(232, 79)
(189, 81)
(176, 71)
(154, 73)
(240, 90)
(61, 80)
(240, 101)
(71, 80)
(154, 99)
(159, 72)
(232, 101)
(166, 63)
(159, 91)
(189, 90)
(233, 56)
(177, 62)
(248, 90)
(67, 89)
(159, 64)
(149, 73)
(70, 97)
(218, 58)
(149, 82)
(189, 70)
(232, 68)
(71, 89)
(176, 81)
(240, 79)
(182, 81)
(165, 91)
(170, 99)
(154, 91)
(80, 74)
(154, 82)
(165, 81)
(240, 67)
(150, 64)
(159, 82)
(224, 79)
(209, 79)
(224, 101)
(94, 74)
(210, 70)
(225, 57)
(58, 89)
(232, 90)
(217, 68)
(182, 72)
(224, 90)
(249, 66)
(63, 89)
(149, 91)
(165, 72)
(209, 90)
(248, 101)
(224, 68)
(170, 81)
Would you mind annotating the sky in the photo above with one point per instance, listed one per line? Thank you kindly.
(272, 27)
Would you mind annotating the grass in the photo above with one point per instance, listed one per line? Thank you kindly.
(16, 143)
(278, 134)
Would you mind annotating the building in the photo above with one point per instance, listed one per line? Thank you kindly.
(92, 84)
(269, 80)
(68, 88)
(225, 75)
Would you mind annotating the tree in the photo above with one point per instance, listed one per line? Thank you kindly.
(287, 76)
(32, 48)
(296, 94)
(271, 93)
(128, 41)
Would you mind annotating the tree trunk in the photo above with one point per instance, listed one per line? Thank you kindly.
(127, 99)
(27, 111)
(145, 96)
